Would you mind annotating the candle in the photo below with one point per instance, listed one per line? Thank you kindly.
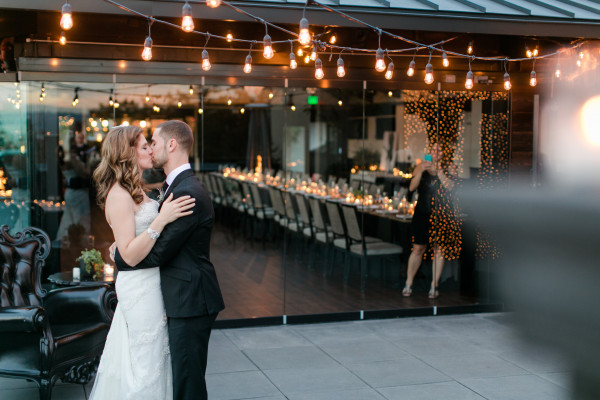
(76, 274)
(108, 270)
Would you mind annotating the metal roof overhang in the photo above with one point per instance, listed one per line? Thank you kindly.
(550, 18)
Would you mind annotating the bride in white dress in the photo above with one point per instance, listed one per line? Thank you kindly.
(135, 363)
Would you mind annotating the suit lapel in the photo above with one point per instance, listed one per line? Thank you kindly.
(178, 178)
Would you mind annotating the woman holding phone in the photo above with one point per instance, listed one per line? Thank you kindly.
(428, 179)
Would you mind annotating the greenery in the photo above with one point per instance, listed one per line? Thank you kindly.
(92, 260)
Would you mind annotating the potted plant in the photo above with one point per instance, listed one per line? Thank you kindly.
(91, 263)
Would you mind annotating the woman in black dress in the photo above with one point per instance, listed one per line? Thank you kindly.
(430, 181)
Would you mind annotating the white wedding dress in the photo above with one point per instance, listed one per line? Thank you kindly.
(136, 362)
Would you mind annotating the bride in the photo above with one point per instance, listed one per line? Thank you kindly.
(135, 363)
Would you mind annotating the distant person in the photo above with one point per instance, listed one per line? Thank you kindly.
(431, 218)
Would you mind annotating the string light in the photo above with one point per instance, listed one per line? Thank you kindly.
(306, 59)
(111, 102)
(341, 71)
(268, 45)
(242, 110)
(304, 35)
(507, 84)
(191, 90)
(557, 70)
(313, 53)
(66, 20)
(332, 39)
(293, 63)
(43, 92)
(470, 48)
(147, 98)
(63, 39)
(200, 111)
(340, 102)
(229, 101)
(532, 77)
(390, 71)
(528, 52)
(445, 61)
(187, 23)
(156, 108)
(179, 103)
(293, 107)
(117, 104)
(469, 80)
(429, 71)
(213, 3)
(76, 97)
(379, 61)
(229, 37)
(390, 93)
(300, 52)
(205, 61)
(411, 67)
(147, 52)
(319, 74)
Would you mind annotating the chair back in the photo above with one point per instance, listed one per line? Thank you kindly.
(315, 209)
(246, 193)
(352, 225)
(335, 219)
(22, 258)
(256, 199)
(303, 209)
(290, 211)
(206, 181)
(277, 201)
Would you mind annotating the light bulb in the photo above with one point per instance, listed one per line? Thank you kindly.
(271, 95)
(379, 61)
(229, 101)
(179, 104)
(200, 111)
(213, 3)
(581, 55)
(248, 64)
(557, 72)
(300, 52)
(429, 74)
(191, 89)
(187, 23)
(332, 39)
(528, 52)
(229, 37)
(507, 84)
(66, 20)
(445, 61)
(579, 62)
(147, 53)
(205, 61)
(268, 50)
(535, 52)
(390, 71)
(147, 98)
(293, 63)
(41, 98)
(469, 81)
(63, 39)
(390, 93)
(313, 53)
(341, 71)
(242, 110)
(340, 102)
(319, 74)
(470, 48)
(116, 105)
(293, 107)
(411, 68)
(111, 102)
(304, 35)
(306, 59)
(532, 79)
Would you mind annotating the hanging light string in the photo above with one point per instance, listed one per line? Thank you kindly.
(324, 45)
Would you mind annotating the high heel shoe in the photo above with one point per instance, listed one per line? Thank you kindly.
(407, 291)
(433, 293)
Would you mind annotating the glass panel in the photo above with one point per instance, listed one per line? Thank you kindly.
(15, 172)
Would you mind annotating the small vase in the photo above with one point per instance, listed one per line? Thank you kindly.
(85, 275)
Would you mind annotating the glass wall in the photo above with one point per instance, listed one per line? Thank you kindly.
(315, 212)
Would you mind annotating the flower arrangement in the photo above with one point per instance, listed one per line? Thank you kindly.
(91, 261)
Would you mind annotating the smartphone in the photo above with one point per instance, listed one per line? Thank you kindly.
(428, 157)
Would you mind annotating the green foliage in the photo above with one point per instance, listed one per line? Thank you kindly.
(92, 260)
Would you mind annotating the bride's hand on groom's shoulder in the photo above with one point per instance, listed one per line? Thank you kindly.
(173, 209)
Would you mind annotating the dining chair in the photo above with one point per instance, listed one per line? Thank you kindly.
(365, 247)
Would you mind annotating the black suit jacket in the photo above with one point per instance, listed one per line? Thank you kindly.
(188, 279)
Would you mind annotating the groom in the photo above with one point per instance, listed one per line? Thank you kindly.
(189, 284)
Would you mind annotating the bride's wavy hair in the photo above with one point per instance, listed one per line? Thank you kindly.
(119, 164)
